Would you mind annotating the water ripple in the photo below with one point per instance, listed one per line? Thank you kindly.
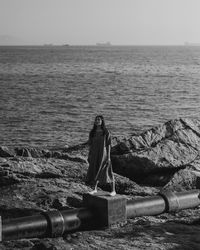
(49, 96)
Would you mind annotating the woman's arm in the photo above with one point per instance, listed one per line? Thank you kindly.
(108, 145)
(108, 152)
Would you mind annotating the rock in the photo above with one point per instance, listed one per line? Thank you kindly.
(18, 245)
(30, 152)
(17, 171)
(127, 187)
(158, 153)
(44, 246)
(44, 153)
(66, 156)
(182, 180)
(6, 152)
(33, 180)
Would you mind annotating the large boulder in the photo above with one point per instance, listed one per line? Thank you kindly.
(155, 155)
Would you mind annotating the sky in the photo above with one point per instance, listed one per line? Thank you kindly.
(87, 22)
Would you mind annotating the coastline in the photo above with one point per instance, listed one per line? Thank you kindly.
(40, 180)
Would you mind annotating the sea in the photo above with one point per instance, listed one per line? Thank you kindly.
(50, 95)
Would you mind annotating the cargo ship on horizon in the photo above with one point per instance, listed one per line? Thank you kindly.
(191, 44)
(104, 44)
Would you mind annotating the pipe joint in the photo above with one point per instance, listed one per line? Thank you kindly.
(171, 200)
(56, 225)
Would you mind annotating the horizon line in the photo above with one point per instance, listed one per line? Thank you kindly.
(94, 45)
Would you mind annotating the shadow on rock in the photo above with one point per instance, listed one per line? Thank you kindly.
(74, 202)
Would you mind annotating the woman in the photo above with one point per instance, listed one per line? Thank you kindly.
(100, 167)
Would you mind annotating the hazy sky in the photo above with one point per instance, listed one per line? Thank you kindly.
(127, 22)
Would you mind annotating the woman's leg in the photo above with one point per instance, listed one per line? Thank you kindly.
(95, 188)
(113, 192)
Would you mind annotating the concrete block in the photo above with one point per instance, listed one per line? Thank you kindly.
(107, 209)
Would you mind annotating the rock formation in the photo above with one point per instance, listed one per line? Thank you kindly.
(165, 157)
(154, 156)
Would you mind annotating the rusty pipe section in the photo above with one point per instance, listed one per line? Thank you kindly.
(56, 223)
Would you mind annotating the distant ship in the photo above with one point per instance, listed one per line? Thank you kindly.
(48, 44)
(191, 44)
(104, 44)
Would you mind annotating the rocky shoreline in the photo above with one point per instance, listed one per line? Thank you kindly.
(163, 158)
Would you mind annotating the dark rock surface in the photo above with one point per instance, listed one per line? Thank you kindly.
(163, 158)
(154, 156)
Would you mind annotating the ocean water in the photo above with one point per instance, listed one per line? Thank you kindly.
(49, 96)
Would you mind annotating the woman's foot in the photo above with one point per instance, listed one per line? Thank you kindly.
(113, 193)
(93, 191)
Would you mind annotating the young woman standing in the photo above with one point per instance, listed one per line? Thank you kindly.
(100, 166)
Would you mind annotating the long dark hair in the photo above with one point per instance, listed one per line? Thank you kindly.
(103, 127)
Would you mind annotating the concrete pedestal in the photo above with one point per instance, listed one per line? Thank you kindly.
(108, 209)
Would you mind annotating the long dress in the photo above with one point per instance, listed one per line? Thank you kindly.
(99, 168)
